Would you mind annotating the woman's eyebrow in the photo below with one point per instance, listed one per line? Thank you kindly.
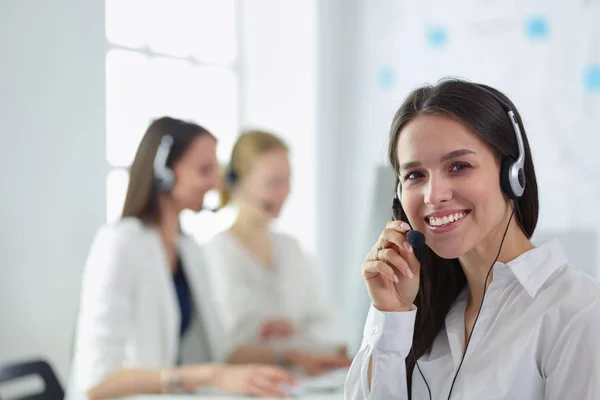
(445, 157)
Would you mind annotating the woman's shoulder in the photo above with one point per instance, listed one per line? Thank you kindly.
(556, 290)
(570, 301)
(568, 295)
(218, 243)
(220, 251)
(219, 238)
(287, 241)
(123, 232)
(118, 246)
(574, 288)
(549, 277)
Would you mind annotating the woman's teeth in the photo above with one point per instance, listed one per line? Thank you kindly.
(446, 219)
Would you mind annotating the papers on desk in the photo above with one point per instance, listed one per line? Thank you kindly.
(329, 382)
(332, 381)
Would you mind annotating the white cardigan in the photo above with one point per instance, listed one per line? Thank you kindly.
(129, 314)
(247, 293)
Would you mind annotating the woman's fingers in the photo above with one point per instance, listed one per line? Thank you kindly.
(394, 238)
(260, 386)
(399, 226)
(390, 257)
(394, 232)
(269, 382)
(374, 268)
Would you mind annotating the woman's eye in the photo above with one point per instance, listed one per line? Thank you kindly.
(412, 175)
(459, 167)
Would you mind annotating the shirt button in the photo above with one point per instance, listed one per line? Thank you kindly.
(375, 328)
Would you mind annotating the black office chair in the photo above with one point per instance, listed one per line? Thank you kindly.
(53, 389)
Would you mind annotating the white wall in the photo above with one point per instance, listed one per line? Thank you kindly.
(341, 212)
(279, 90)
(52, 158)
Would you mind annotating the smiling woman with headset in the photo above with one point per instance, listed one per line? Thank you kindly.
(146, 323)
(479, 312)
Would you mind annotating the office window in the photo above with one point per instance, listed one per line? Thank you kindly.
(175, 58)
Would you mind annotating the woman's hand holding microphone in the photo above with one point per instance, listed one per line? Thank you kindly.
(391, 269)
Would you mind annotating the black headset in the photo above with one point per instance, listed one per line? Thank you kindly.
(231, 177)
(512, 171)
(512, 182)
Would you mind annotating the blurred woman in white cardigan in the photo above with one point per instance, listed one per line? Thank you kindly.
(146, 322)
(267, 291)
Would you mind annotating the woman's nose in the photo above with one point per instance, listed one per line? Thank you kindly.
(438, 191)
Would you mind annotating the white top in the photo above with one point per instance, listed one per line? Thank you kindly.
(536, 338)
(129, 314)
(248, 293)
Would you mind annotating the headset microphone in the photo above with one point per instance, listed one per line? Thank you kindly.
(266, 206)
(415, 238)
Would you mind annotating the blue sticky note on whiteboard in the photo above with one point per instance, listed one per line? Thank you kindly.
(591, 79)
(537, 27)
(437, 37)
(386, 77)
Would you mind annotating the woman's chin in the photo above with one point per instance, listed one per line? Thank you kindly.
(447, 250)
(195, 207)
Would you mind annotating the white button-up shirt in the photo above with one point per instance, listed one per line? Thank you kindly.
(537, 337)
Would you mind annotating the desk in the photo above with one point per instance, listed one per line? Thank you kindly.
(314, 396)
(329, 386)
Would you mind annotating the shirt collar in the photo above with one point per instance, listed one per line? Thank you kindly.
(534, 267)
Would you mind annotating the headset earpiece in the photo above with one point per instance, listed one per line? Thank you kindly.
(396, 209)
(231, 176)
(164, 177)
(512, 178)
(512, 172)
(396, 204)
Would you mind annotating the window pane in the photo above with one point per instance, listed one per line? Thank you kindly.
(116, 188)
(203, 29)
(205, 95)
(126, 22)
(139, 89)
(128, 112)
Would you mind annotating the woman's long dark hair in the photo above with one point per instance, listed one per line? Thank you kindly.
(472, 106)
(141, 199)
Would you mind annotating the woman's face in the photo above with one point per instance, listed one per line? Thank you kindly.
(196, 172)
(266, 187)
(450, 185)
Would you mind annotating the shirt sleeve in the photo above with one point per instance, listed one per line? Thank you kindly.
(387, 338)
(105, 309)
(573, 367)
